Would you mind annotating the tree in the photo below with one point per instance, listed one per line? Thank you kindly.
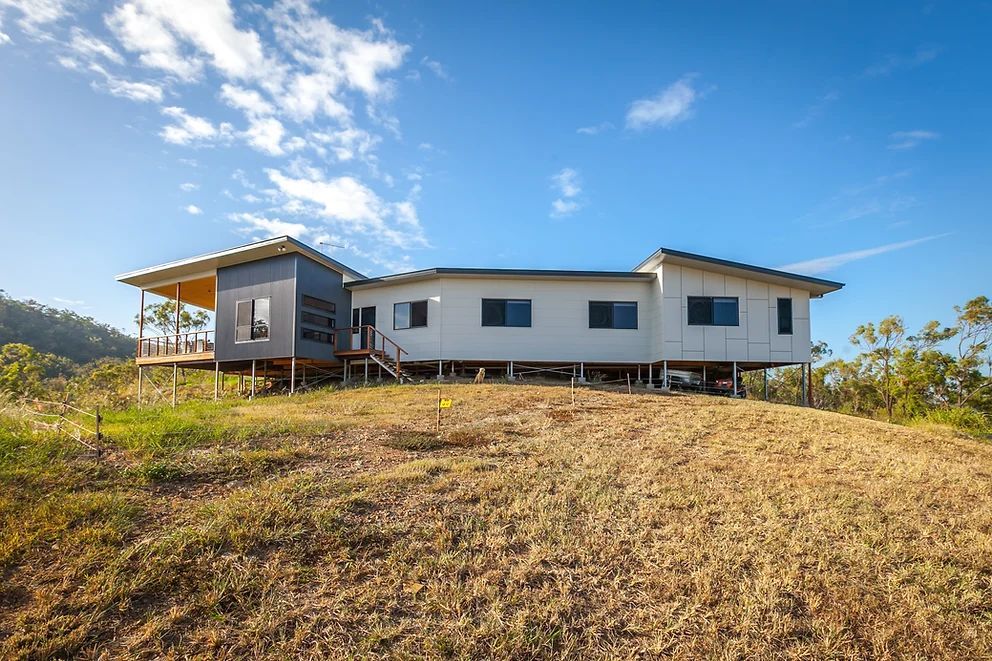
(880, 348)
(23, 370)
(974, 333)
(162, 317)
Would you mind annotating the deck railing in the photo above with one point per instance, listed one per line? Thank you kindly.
(358, 339)
(176, 344)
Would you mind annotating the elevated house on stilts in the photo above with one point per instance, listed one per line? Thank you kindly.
(291, 316)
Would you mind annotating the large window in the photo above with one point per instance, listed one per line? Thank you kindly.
(713, 311)
(319, 303)
(252, 320)
(505, 312)
(410, 315)
(316, 319)
(607, 314)
(785, 316)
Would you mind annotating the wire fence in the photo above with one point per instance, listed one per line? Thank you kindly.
(65, 419)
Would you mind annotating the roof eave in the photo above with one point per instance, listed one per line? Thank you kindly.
(140, 277)
(816, 286)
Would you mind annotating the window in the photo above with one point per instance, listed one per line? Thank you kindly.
(252, 320)
(316, 319)
(785, 316)
(410, 315)
(505, 312)
(316, 336)
(713, 311)
(604, 314)
(319, 303)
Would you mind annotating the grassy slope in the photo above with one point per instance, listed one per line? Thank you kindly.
(336, 524)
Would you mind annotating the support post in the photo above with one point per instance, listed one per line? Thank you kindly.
(582, 372)
(252, 396)
(366, 370)
(809, 385)
(292, 376)
(175, 382)
(764, 387)
(802, 384)
(735, 378)
(664, 378)
(440, 371)
(650, 375)
(705, 389)
(638, 374)
(512, 377)
(216, 379)
(140, 377)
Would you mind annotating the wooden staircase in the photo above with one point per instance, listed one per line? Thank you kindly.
(369, 342)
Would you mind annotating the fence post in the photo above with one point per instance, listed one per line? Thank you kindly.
(99, 419)
(628, 384)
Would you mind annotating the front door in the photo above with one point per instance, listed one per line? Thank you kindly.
(360, 336)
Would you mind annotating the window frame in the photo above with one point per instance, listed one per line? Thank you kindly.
(314, 331)
(712, 310)
(506, 308)
(778, 314)
(313, 315)
(252, 323)
(613, 315)
(319, 304)
(410, 305)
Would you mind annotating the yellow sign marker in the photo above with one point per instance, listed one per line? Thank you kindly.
(445, 404)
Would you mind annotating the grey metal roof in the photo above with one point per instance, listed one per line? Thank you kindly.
(425, 274)
(819, 286)
(246, 253)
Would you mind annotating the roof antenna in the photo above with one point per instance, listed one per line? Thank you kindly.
(330, 245)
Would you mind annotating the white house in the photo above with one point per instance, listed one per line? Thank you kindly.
(675, 311)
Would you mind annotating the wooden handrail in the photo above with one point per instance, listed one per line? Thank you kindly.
(371, 333)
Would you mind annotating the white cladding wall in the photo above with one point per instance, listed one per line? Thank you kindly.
(559, 328)
(560, 320)
(756, 338)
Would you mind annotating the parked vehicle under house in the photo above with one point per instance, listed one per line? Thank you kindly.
(286, 311)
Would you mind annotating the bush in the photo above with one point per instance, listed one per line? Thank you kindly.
(966, 420)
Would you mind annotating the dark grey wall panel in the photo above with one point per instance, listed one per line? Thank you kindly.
(313, 279)
(273, 277)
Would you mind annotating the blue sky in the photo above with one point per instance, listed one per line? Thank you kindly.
(848, 141)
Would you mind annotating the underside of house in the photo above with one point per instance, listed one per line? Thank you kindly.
(287, 317)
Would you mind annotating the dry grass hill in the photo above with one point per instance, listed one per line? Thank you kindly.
(337, 524)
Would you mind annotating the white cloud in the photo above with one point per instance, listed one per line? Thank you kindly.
(188, 187)
(68, 301)
(348, 143)
(248, 101)
(910, 139)
(265, 228)
(436, 68)
(595, 129)
(190, 130)
(891, 62)
(135, 91)
(331, 58)
(92, 48)
(669, 107)
(193, 210)
(265, 134)
(351, 206)
(566, 182)
(825, 264)
(158, 30)
(817, 109)
(34, 15)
